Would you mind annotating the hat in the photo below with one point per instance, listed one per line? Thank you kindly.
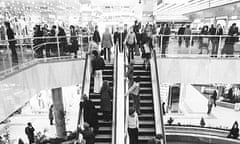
(131, 111)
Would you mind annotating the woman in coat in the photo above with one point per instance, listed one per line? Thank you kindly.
(204, 41)
(107, 44)
(106, 105)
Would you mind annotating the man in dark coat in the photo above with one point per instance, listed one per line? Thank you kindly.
(29, 131)
(181, 31)
(12, 43)
(96, 35)
(117, 39)
(51, 115)
(90, 113)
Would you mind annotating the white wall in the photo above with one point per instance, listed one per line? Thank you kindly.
(19, 88)
(198, 71)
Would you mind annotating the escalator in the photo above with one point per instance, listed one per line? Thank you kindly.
(146, 119)
(104, 135)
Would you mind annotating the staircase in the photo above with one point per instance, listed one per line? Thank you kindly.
(104, 135)
(146, 119)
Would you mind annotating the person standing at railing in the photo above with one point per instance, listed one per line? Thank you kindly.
(210, 104)
(96, 36)
(130, 42)
(107, 44)
(215, 40)
(203, 40)
(187, 32)
(12, 43)
(133, 126)
(38, 40)
(74, 41)
(62, 40)
(228, 48)
(165, 31)
(181, 31)
(53, 46)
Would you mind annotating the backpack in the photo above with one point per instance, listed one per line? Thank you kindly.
(131, 39)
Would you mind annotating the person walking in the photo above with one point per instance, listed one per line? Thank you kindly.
(133, 91)
(165, 31)
(210, 104)
(96, 36)
(50, 115)
(117, 39)
(214, 96)
(106, 105)
(133, 125)
(89, 113)
(74, 41)
(98, 65)
(29, 131)
(130, 42)
(107, 44)
(12, 43)
(62, 40)
(38, 34)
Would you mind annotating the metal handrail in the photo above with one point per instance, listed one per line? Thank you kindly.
(126, 101)
(159, 95)
(115, 85)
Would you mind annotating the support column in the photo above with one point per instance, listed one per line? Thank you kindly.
(59, 112)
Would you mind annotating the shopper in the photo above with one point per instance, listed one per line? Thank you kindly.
(228, 48)
(187, 38)
(98, 65)
(38, 39)
(62, 40)
(130, 42)
(29, 131)
(12, 43)
(133, 125)
(204, 40)
(234, 132)
(53, 46)
(163, 108)
(50, 115)
(215, 40)
(214, 96)
(74, 41)
(106, 105)
(107, 44)
(181, 32)
(88, 134)
(90, 113)
(165, 31)
(210, 104)
(96, 36)
(133, 91)
(117, 39)
(147, 49)
(130, 72)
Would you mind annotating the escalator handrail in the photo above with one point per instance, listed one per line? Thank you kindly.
(126, 100)
(80, 113)
(159, 95)
(115, 86)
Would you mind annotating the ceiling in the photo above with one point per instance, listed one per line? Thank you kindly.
(180, 7)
